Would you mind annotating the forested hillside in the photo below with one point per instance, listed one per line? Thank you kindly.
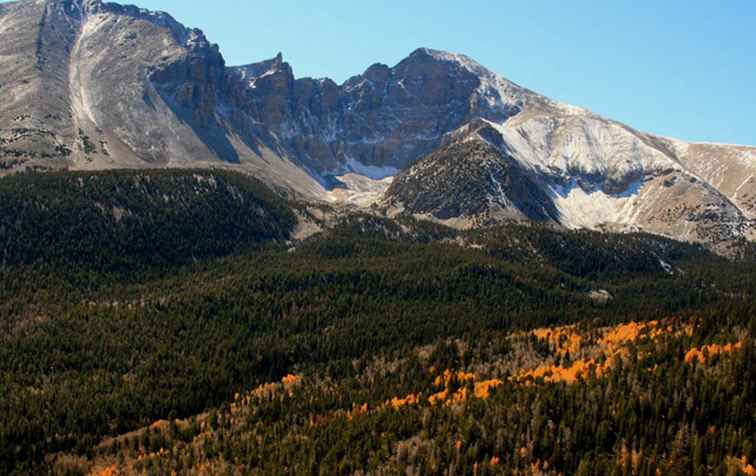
(118, 220)
(374, 347)
(665, 397)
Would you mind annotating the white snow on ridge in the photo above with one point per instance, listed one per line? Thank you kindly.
(252, 80)
(465, 61)
(569, 109)
(749, 156)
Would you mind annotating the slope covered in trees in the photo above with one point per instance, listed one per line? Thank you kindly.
(461, 405)
(335, 345)
(122, 219)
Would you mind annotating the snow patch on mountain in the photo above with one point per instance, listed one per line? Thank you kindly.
(252, 82)
(358, 184)
(373, 172)
(581, 208)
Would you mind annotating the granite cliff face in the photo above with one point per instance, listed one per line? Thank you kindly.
(92, 85)
(386, 117)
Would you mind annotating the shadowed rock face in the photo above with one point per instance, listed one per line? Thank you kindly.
(92, 85)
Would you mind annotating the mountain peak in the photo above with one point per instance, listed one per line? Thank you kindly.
(459, 59)
(426, 52)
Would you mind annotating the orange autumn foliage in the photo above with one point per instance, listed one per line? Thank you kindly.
(291, 380)
(611, 345)
(746, 468)
(450, 376)
(459, 396)
(266, 389)
(398, 403)
(570, 375)
(711, 350)
(483, 389)
(438, 397)
(160, 425)
(740, 466)
(562, 339)
(625, 333)
(109, 471)
(357, 411)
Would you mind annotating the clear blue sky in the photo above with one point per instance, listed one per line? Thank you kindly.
(681, 68)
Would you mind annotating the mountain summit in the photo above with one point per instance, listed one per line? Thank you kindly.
(92, 85)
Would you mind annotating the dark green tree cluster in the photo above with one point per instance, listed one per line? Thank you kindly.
(121, 220)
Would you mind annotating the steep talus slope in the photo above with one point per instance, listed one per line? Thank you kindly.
(78, 78)
(144, 89)
(36, 129)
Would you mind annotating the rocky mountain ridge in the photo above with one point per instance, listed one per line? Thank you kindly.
(93, 85)
(657, 193)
